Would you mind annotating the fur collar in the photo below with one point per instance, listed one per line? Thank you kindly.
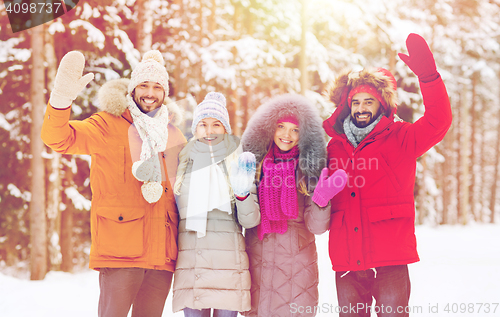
(338, 91)
(261, 127)
(379, 78)
(112, 97)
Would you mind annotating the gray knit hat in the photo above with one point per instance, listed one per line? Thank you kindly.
(151, 68)
(213, 106)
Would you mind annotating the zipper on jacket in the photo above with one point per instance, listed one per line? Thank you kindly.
(366, 141)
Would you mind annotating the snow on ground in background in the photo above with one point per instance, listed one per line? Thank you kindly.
(459, 265)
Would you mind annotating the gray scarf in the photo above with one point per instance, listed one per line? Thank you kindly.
(354, 134)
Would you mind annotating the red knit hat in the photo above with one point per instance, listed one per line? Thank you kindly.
(289, 118)
(368, 89)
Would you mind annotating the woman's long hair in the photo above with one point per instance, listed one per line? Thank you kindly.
(301, 183)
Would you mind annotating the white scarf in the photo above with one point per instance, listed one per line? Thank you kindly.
(208, 187)
(153, 132)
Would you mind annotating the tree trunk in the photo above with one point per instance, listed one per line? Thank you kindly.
(464, 159)
(245, 104)
(393, 58)
(458, 125)
(237, 122)
(237, 14)
(53, 213)
(53, 165)
(447, 174)
(304, 80)
(493, 197)
(180, 90)
(422, 192)
(144, 26)
(199, 69)
(67, 227)
(211, 21)
(248, 18)
(473, 166)
(482, 164)
(38, 224)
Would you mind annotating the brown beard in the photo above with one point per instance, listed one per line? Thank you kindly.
(362, 124)
(138, 104)
(372, 118)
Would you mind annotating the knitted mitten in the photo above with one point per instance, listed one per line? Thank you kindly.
(69, 81)
(328, 187)
(243, 174)
(420, 58)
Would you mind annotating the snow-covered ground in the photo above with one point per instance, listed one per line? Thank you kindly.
(459, 275)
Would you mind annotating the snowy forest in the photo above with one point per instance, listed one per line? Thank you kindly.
(250, 50)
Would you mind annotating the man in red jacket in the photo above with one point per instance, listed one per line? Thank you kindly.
(372, 232)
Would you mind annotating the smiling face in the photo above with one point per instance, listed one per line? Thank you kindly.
(148, 96)
(286, 136)
(364, 109)
(210, 131)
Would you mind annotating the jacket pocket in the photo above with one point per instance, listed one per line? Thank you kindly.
(171, 226)
(380, 213)
(337, 244)
(120, 232)
(391, 232)
(389, 173)
(336, 219)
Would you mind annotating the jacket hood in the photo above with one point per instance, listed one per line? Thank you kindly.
(261, 127)
(338, 91)
(112, 97)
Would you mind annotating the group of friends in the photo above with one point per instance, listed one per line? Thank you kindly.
(233, 222)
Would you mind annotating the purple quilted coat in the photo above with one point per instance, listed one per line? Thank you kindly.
(284, 267)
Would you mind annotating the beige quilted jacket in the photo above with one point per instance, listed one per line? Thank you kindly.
(212, 271)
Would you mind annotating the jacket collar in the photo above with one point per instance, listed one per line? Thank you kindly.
(330, 122)
(127, 116)
(380, 130)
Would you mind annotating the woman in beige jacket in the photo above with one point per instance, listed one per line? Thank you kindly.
(212, 264)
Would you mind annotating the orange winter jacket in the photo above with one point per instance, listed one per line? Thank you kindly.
(126, 230)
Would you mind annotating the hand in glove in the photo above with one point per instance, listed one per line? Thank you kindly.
(69, 81)
(328, 187)
(243, 174)
(420, 58)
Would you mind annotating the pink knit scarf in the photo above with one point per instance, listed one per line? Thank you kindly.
(278, 191)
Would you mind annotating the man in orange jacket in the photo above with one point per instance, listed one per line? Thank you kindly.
(134, 217)
(372, 232)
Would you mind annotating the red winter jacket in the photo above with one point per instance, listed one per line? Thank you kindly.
(372, 221)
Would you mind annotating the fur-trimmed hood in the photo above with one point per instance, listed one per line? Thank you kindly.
(338, 91)
(261, 127)
(112, 98)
